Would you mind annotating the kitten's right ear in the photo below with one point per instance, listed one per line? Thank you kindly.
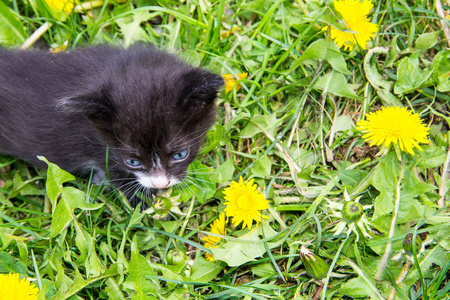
(201, 86)
(92, 103)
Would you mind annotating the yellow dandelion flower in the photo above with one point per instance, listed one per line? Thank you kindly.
(217, 227)
(230, 81)
(61, 5)
(360, 29)
(244, 203)
(12, 288)
(394, 125)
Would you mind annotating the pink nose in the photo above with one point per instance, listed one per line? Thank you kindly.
(161, 183)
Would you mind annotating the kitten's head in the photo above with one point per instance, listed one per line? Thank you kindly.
(152, 111)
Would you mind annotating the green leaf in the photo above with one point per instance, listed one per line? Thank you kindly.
(198, 183)
(131, 29)
(113, 290)
(216, 136)
(344, 123)
(71, 288)
(361, 286)
(63, 214)
(441, 71)
(434, 256)
(261, 123)
(262, 167)
(6, 263)
(350, 177)
(205, 271)
(138, 269)
(56, 177)
(264, 270)
(410, 76)
(383, 87)
(24, 187)
(427, 40)
(168, 272)
(224, 172)
(249, 247)
(335, 83)
(327, 50)
(88, 255)
(12, 31)
(432, 157)
(192, 58)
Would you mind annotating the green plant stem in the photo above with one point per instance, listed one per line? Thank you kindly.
(387, 253)
(333, 263)
(400, 278)
(365, 183)
(36, 35)
(188, 216)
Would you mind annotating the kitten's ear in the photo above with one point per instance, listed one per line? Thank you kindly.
(93, 103)
(202, 86)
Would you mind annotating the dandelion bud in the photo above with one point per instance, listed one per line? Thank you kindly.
(175, 257)
(315, 266)
(352, 212)
(408, 244)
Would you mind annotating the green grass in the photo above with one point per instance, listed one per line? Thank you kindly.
(291, 127)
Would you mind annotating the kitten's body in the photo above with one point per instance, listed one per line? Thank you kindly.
(149, 110)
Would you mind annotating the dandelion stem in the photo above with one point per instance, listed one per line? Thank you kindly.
(36, 35)
(444, 174)
(88, 5)
(387, 253)
(400, 278)
(330, 270)
(365, 183)
(188, 216)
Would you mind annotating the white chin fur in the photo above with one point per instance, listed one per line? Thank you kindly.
(156, 182)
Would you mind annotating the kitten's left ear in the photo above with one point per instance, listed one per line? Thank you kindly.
(202, 87)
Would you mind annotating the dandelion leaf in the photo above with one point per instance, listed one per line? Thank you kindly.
(63, 214)
(113, 290)
(361, 286)
(335, 83)
(383, 87)
(204, 270)
(410, 76)
(441, 71)
(88, 255)
(170, 273)
(427, 40)
(224, 172)
(325, 50)
(24, 187)
(12, 31)
(131, 29)
(432, 157)
(215, 137)
(435, 256)
(357, 287)
(138, 269)
(249, 247)
(267, 124)
(262, 167)
(56, 177)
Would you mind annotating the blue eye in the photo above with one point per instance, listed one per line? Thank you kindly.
(134, 163)
(180, 155)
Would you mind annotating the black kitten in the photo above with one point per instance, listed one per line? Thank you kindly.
(146, 108)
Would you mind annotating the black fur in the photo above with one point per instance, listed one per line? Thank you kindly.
(70, 107)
